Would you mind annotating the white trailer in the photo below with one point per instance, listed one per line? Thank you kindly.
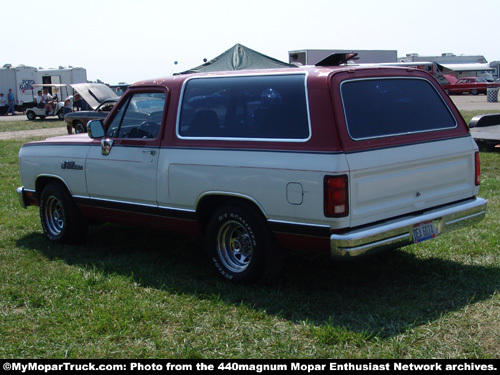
(67, 76)
(64, 75)
(21, 80)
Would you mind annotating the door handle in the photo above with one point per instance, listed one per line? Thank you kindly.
(151, 152)
(106, 145)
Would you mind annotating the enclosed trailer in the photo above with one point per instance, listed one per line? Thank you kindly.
(21, 80)
(64, 75)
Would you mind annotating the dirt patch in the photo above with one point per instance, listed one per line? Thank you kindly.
(23, 134)
(474, 103)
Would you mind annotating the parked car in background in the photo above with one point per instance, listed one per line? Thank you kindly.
(99, 98)
(468, 85)
(78, 120)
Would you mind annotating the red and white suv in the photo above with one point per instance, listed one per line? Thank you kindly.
(349, 160)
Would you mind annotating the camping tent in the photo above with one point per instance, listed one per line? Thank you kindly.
(238, 57)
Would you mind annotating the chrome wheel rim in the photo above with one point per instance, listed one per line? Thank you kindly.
(54, 216)
(234, 246)
(79, 129)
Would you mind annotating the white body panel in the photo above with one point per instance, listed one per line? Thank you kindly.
(287, 186)
(127, 175)
(396, 181)
(46, 161)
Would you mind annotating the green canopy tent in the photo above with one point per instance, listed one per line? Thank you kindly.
(239, 57)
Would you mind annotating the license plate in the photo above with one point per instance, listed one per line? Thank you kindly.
(424, 231)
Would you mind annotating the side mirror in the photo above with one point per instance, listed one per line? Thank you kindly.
(95, 129)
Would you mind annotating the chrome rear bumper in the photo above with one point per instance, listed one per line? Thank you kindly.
(397, 233)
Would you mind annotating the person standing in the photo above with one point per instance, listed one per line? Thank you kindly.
(10, 99)
(68, 108)
(3, 105)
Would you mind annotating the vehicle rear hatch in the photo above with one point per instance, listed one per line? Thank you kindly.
(407, 146)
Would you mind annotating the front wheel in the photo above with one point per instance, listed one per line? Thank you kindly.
(79, 128)
(31, 115)
(61, 219)
(60, 115)
(241, 247)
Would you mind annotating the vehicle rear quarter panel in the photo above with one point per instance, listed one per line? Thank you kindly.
(272, 174)
(285, 186)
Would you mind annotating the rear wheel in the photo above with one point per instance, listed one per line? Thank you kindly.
(240, 245)
(61, 219)
(474, 92)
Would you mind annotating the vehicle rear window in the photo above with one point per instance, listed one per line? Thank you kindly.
(245, 107)
(393, 106)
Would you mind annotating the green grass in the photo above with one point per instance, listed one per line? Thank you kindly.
(136, 293)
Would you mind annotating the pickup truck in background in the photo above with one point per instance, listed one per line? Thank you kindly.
(349, 160)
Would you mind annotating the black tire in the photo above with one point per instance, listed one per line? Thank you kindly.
(241, 247)
(31, 115)
(60, 115)
(474, 91)
(61, 219)
(79, 128)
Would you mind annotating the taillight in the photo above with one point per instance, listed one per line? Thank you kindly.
(478, 169)
(336, 201)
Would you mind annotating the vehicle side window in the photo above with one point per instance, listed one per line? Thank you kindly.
(252, 107)
(138, 117)
(376, 108)
(107, 107)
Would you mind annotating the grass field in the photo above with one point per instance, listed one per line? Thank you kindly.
(136, 293)
(8, 126)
